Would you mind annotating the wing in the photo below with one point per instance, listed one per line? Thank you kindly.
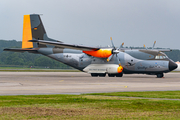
(21, 50)
(162, 50)
(63, 45)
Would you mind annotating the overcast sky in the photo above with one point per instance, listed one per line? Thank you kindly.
(93, 22)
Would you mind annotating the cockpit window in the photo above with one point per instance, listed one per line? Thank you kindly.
(161, 57)
(157, 57)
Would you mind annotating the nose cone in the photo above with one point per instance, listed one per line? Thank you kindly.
(172, 65)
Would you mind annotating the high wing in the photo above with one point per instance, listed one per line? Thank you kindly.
(163, 50)
(63, 45)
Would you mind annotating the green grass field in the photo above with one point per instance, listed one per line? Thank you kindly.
(97, 106)
(148, 94)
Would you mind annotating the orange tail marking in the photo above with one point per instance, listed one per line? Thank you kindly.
(27, 34)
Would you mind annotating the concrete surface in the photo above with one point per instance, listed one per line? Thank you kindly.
(25, 83)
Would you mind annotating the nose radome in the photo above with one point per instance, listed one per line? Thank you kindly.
(172, 65)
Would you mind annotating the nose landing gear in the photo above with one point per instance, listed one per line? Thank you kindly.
(160, 75)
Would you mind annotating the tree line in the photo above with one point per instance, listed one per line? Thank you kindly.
(31, 60)
(25, 59)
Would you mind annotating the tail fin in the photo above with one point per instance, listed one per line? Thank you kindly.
(33, 29)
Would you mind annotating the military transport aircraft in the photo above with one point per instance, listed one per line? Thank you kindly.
(94, 60)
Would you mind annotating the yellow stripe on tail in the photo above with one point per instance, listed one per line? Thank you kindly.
(27, 34)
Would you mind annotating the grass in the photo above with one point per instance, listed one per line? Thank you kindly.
(86, 107)
(148, 94)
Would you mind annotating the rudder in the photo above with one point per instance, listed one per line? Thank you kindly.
(27, 34)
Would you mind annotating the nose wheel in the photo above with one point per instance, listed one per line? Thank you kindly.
(160, 75)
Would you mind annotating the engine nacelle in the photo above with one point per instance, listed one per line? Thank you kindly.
(115, 69)
(103, 68)
(102, 53)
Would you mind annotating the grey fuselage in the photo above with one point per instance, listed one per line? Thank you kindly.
(132, 60)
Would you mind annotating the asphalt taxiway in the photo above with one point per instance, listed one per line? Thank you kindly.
(32, 83)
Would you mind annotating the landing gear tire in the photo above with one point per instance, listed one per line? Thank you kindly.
(102, 74)
(111, 75)
(160, 75)
(119, 75)
(94, 74)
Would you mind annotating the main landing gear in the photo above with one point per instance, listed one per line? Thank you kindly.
(104, 74)
(98, 74)
(160, 75)
(117, 75)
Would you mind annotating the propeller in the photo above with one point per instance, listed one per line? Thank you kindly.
(152, 46)
(114, 50)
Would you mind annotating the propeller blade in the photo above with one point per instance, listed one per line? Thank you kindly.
(112, 43)
(111, 38)
(118, 59)
(154, 44)
(109, 58)
(145, 47)
(121, 45)
(120, 68)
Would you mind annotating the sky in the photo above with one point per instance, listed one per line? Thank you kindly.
(93, 22)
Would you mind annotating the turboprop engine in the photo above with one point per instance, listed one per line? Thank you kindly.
(105, 53)
(101, 53)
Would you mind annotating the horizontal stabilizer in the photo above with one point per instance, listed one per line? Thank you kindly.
(21, 50)
(63, 45)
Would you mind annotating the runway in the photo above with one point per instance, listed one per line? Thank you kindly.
(33, 83)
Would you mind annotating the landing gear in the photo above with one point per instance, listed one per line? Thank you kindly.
(111, 75)
(98, 74)
(160, 75)
(102, 74)
(117, 75)
(94, 74)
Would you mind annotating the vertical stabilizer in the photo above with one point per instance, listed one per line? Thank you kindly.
(33, 29)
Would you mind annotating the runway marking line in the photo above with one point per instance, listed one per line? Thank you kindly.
(61, 80)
